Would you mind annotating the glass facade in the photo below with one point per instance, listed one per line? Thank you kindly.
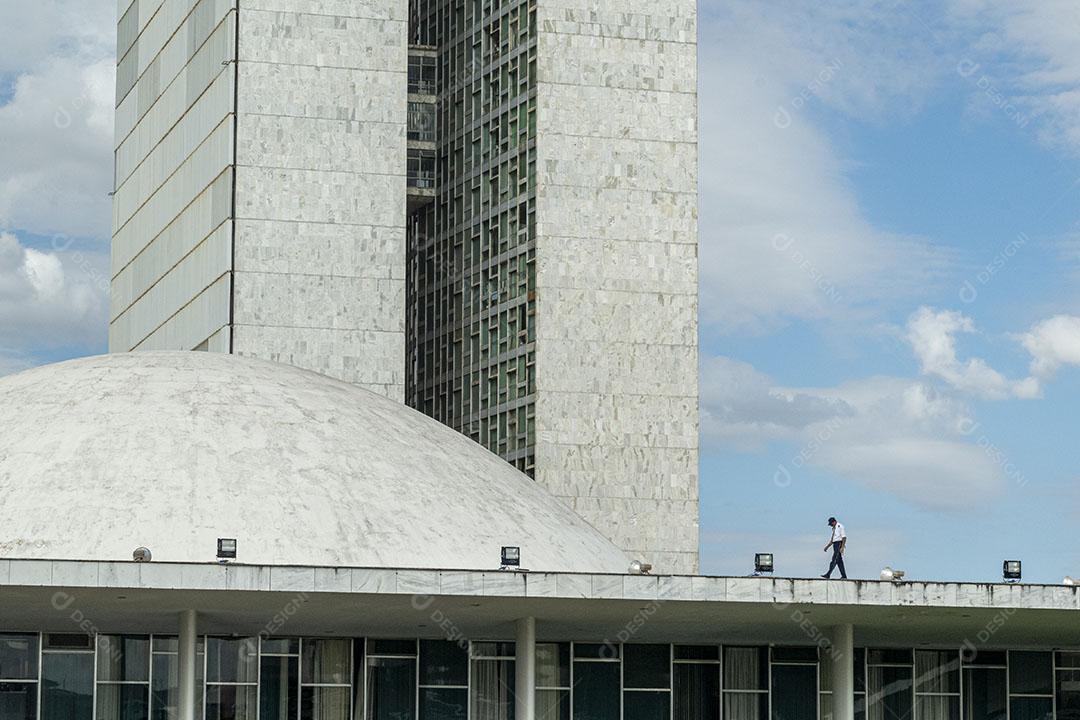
(472, 251)
(133, 677)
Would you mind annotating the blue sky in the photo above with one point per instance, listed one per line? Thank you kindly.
(890, 248)
(904, 356)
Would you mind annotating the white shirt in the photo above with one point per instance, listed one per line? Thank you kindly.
(838, 533)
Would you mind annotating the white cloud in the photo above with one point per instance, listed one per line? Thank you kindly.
(1030, 50)
(898, 436)
(932, 334)
(782, 234)
(57, 126)
(1053, 344)
(49, 300)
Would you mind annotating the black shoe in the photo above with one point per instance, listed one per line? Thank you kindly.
(826, 577)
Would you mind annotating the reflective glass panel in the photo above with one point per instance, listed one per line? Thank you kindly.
(444, 662)
(596, 691)
(696, 691)
(278, 688)
(794, 692)
(67, 690)
(746, 668)
(391, 689)
(445, 704)
(18, 657)
(647, 705)
(646, 666)
(984, 694)
(18, 701)
(123, 658)
(231, 702)
(324, 703)
(122, 702)
(1031, 673)
(231, 660)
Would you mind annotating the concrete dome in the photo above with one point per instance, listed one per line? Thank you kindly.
(173, 450)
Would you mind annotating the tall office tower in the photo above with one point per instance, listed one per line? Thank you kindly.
(260, 182)
(553, 279)
(485, 208)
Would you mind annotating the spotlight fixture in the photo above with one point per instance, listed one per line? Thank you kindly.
(511, 557)
(1010, 570)
(638, 567)
(226, 549)
(141, 554)
(1068, 580)
(763, 563)
(890, 575)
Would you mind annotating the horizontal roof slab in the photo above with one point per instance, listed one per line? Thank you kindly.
(248, 599)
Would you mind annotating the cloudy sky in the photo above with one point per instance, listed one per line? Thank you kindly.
(890, 248)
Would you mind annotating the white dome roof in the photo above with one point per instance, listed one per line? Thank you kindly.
(173, 450)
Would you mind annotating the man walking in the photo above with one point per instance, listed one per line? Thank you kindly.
(838, 541)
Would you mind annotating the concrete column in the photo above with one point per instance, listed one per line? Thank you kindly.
(525, 670)
(187, 655)
(841, 654)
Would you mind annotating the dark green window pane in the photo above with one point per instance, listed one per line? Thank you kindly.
(697, 652)
(1028, 708)
(1068, 694)
(646, 705)
(165, 691)
(696, 691)
(746, 668)
(444, 704)
(67, 686)
(122, 702)
(987, 657)
(443, 662)
(596, 691)
(859, 670)
(231, 702)
(278, 687)
(1031, 673)
(1068, 660)
(324, 703)
(281, 646)
(794, 655)
(18, 701)
(391, 689)
(598, 651)
(123, 658)
(19, 657)
(984, 694)
(647, 666)
(889, 656)
(232, 660)
(794, 692)
(391, 647)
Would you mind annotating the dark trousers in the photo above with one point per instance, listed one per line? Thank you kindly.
(837, 560)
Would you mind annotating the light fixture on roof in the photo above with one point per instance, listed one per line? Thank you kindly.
(141, 554)
(511, 557)
(890, 575)
(1068, 580)
(226, 549)
(763, 563)
(1010, 570)
(637, 567)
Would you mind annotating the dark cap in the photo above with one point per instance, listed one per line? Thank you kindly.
(832, 520)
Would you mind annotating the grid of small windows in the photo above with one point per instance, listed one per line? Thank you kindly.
(473, 255)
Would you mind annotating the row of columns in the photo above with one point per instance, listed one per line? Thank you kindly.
(841, 653)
